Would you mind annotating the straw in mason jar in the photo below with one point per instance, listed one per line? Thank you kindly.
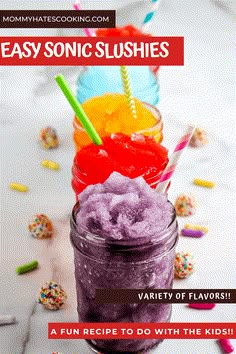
(78, 109)
(174, 160)
(88, 32)
(127, 89)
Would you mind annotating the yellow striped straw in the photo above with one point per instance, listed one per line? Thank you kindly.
(127, 90)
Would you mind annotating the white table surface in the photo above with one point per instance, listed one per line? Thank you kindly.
(201, 91)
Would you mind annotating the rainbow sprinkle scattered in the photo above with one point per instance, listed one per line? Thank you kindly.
(196, 227)
(203, 183)
(18, 187)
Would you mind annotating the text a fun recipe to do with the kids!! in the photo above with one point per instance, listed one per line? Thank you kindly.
(117, 177)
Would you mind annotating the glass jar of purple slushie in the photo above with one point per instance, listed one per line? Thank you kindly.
(127, 264)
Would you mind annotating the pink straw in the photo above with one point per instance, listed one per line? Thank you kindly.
(174, 159)
(88, 32)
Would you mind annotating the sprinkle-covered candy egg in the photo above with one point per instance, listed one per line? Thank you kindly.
(52, 296)
(184, 264)
(199, 138)
(40, 226)
(185, 205)
(48, 138)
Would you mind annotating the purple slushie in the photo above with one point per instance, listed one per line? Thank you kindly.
(124, 235)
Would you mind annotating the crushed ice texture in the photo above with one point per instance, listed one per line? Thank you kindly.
(122, 208)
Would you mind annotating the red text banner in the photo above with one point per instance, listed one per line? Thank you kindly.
(141, 330)
(75, 51)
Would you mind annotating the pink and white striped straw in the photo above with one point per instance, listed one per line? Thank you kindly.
(174, 160)
(88, 32)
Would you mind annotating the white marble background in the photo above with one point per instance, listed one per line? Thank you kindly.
(201, 91)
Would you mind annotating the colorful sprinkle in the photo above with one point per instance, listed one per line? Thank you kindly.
(203, 183)
(18, 187)
(185, 205)
(199, 138)
(7, 319)
(28, 267)
(202, 306)
(226, 345)
(48, 138)
(196, 227)
(52, 165)
(41, 226)
(192, 233)
(52, 296)
(184, 264)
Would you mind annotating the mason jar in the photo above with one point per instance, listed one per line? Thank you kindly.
(97, 80)
(131, 264)
(80, 179)
(81, 137)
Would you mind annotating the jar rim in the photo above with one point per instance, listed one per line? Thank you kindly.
(100, 241)
(88, 85)
(153, 109)
(77, 174)
(145, 261)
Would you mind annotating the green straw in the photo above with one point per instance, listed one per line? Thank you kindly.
(77, 108)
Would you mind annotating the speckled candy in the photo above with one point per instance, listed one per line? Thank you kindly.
(185, 205)
(184, 264)
(41, 226)
(48, 138)
(199, 138)
(52, 296)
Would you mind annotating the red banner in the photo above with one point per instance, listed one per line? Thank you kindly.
(74, 51)
(141, 330)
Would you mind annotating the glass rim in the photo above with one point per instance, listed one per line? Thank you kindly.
(121, 263)
(77, 174)
(103, 242)
(157, 116)
(124, 264)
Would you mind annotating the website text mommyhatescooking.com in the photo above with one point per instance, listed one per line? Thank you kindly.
(57, 19)
(49, 19)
